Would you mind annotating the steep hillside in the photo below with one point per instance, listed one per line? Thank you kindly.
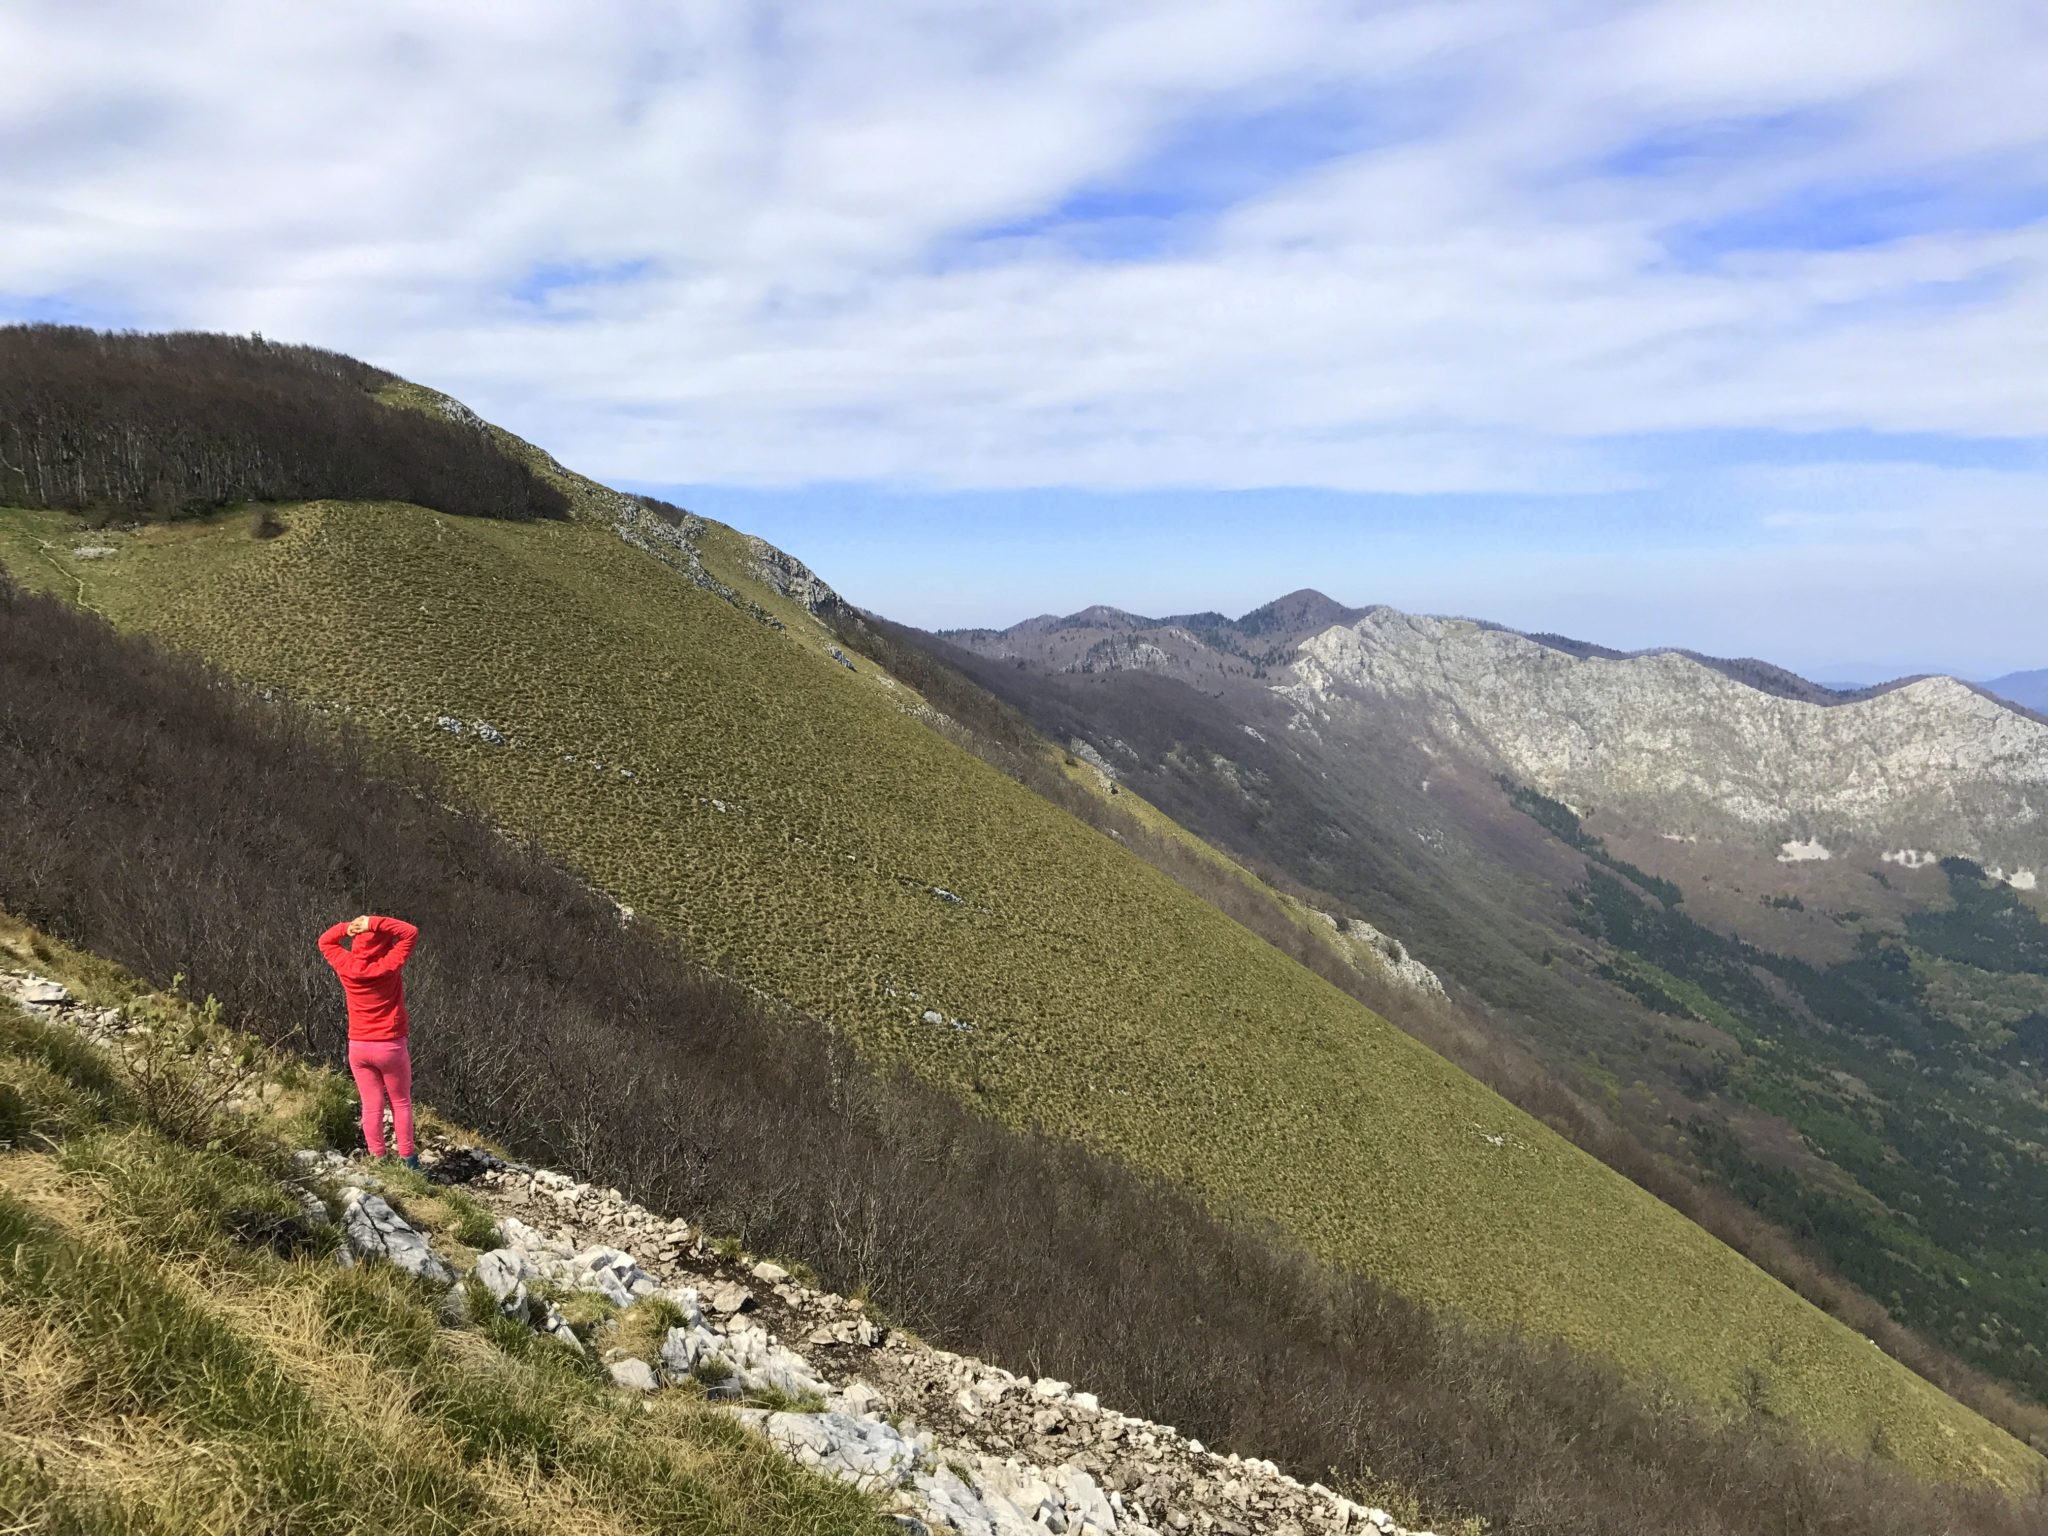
(600, 1048)
(539, 1373)
(128, 425)
(201, 1295)
(681, 729)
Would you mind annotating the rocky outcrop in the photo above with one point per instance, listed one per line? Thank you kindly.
(1679, 746)
(959, 1444)
(35, 993)
(1385, 952)
(1105, 771)
(786, 574)
(375, 1231)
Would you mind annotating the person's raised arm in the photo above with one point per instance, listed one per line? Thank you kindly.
(401, 935)
(333, 950)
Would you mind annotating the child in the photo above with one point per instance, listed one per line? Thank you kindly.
(377, 1022)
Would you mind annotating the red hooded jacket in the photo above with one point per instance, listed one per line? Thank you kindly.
(370, 978)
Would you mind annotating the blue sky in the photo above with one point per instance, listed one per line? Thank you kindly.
(1709, 322)
(1632, 571)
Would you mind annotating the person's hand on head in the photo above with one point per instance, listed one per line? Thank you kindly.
(357, 925)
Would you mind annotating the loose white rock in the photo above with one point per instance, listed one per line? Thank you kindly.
(503, 1273)
(375, 1230)
(632, 1372)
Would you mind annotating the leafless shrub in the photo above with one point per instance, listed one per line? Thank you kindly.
(181, 1073)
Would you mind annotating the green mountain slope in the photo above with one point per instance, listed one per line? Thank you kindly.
(684, 734)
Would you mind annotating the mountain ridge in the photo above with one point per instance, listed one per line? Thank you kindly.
(1891, 770)
(1316, 610)
(1304, 646)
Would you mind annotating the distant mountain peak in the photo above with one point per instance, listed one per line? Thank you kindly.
(1102, 616)
(1739, 748)
(1300, 610)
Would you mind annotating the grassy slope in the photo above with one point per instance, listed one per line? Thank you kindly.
(1107, 1004)
(169, 1373)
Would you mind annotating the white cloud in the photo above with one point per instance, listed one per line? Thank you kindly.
(1462, 303)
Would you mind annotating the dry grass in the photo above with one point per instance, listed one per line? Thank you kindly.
(39, 1181)
(288, 1323)
(42, 1374)
(132, 1467)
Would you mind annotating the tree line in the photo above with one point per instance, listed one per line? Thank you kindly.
(127, 425)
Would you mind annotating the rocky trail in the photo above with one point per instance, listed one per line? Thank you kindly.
(951, 1443)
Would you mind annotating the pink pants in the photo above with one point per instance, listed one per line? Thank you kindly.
(383, 1068)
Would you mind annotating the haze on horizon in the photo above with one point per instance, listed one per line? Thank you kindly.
(1713, 323)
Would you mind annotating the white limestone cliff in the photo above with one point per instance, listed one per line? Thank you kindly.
(1675, 744)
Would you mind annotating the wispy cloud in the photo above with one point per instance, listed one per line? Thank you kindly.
(1427, 247)
(1284, 242)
